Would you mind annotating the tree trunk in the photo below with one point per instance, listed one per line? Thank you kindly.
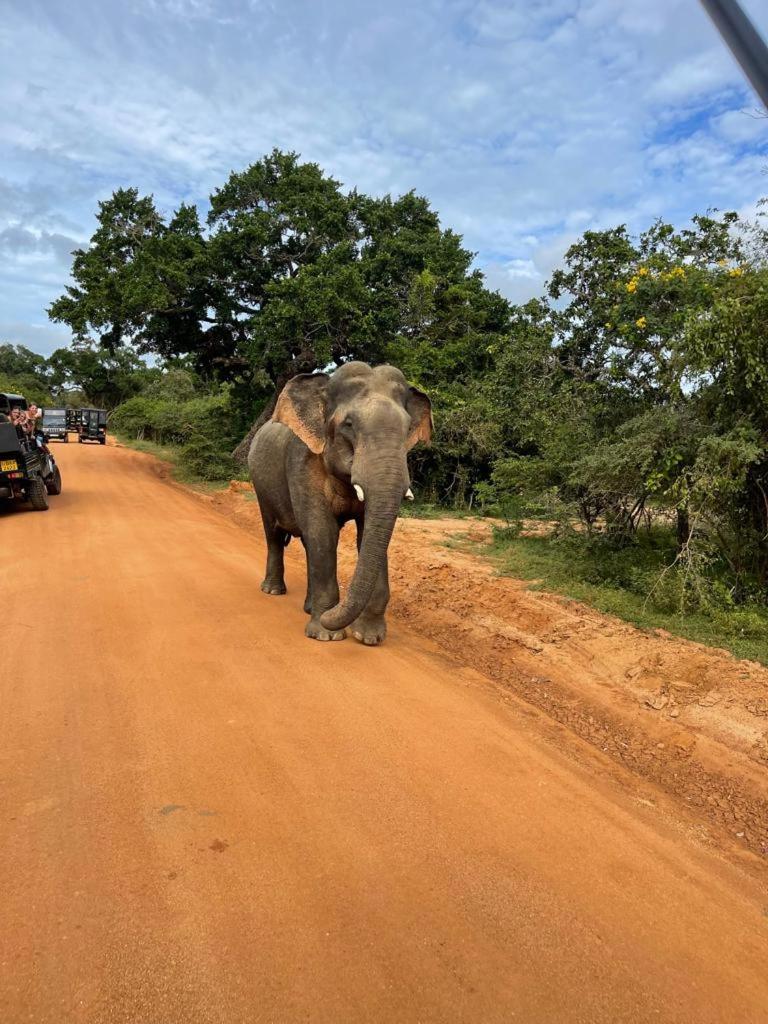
(240, 454)
(683, 527)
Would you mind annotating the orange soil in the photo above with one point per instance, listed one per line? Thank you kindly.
(691, 718)
(209, 819)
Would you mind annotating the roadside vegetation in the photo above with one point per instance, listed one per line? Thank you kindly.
(190, 422)
(633, 582)
(626, 408)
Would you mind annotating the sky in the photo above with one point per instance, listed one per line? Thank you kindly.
(526, 122)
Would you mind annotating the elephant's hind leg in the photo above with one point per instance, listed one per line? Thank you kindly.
(308, 598)
(277, 539)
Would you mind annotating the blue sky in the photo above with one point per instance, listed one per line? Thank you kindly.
(524, 122)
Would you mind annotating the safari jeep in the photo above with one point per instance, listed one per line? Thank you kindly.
(55, 425)
(93, 425)
(27, 473)
(9, 401)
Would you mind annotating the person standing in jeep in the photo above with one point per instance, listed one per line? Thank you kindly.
(32, 416)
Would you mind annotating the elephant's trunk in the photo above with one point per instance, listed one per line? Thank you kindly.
(382, 501)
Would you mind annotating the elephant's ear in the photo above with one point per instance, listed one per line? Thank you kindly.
(419, 408)
(301, 407)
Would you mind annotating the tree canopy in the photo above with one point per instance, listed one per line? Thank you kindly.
(289, 274)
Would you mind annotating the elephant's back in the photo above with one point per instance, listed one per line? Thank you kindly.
(269, 440)
(267, 451)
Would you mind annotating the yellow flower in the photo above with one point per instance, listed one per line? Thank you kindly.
(678, 272)
(722, 263)
(632, 286)
(736, 272)
(608, 326)
(643, 272)
(641, 322)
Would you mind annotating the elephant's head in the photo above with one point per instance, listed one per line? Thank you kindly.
(362, 421)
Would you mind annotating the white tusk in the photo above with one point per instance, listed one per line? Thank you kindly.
(409, 494)
(359, 492)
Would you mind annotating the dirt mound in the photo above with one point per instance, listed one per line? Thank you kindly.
(690, 718)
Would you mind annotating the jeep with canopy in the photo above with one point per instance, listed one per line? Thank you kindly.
(27, 471)
(9, 401)
(93, 425)
(55, 425)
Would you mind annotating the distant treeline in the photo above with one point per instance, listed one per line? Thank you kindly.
(634, 392)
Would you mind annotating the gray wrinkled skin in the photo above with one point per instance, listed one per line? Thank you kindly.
(330, 439)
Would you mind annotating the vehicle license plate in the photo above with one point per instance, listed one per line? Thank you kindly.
(6, 465)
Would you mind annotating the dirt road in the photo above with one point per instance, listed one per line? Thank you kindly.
(208, 818)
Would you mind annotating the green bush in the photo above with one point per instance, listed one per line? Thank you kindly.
(202, 458)
(166, 420)
(136, 418)
(170, 412)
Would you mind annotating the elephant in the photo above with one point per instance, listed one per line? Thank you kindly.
(335, 450)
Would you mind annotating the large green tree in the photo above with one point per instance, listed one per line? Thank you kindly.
(104, 378)
(24, 371)
(289, 274)
(642, 384)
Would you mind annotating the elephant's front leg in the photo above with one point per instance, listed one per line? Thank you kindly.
(323, 584)
(370, 628)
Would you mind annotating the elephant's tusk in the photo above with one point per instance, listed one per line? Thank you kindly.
(359, 492)
(409, 494)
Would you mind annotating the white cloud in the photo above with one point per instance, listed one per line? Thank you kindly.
(524, 124)
(17, 242)
(519, 279)
(747, 126)
(40, 337)
(702, 73)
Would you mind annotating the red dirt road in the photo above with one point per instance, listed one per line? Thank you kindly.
(207, 818)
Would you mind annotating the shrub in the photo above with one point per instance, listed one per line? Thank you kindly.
(170, 413)
(201, 457)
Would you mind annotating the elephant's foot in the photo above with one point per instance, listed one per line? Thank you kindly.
(273, 586)
(315, 631)
(369, 630)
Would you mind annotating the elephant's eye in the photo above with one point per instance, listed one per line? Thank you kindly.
(347, 423)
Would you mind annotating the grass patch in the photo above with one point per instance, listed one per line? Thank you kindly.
(618, 581)
(418, 510)
(166, 452)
